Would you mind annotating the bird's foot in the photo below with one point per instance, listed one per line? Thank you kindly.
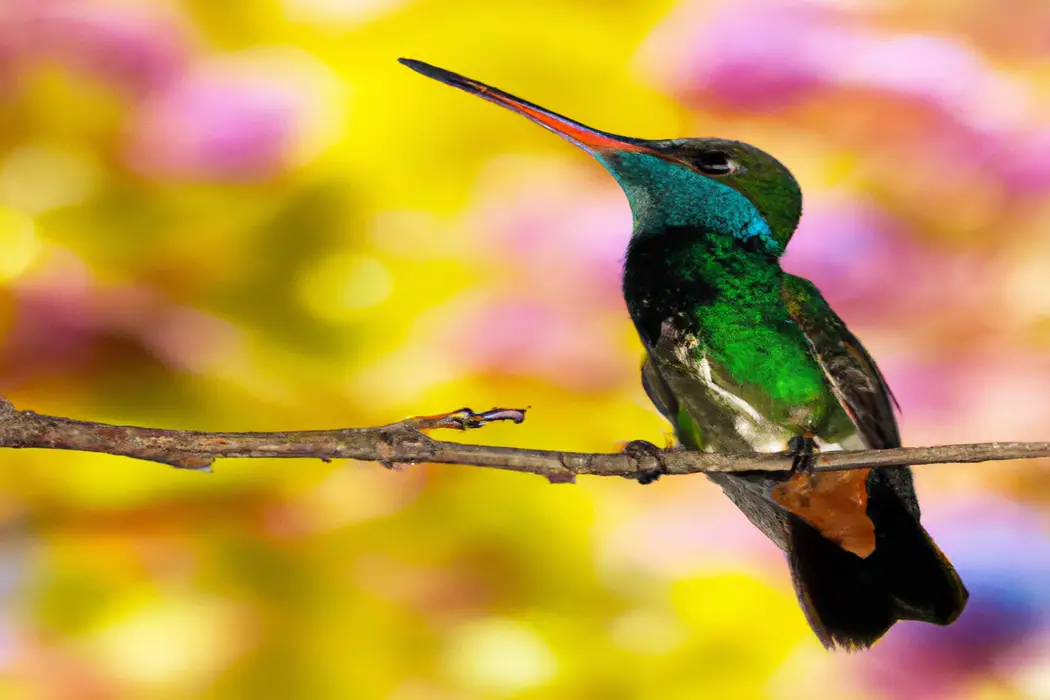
(794, 489)
(650, 466)
(804, 450)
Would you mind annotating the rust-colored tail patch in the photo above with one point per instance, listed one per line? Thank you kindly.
(834, 503)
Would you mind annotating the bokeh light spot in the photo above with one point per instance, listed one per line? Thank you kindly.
(647, 632)
(340, 13)
(38, 177)
(173, 643)
(19, 242)
(500, 656)
(344, 285)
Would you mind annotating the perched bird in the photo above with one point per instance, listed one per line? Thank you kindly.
(743, 356)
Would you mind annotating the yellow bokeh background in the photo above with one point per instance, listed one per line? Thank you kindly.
(249, 216)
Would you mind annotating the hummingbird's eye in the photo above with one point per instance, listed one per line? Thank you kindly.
(714, 163)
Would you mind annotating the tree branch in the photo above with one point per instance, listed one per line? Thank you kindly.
(404, 442)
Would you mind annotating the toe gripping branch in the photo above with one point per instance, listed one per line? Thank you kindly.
(803, 449)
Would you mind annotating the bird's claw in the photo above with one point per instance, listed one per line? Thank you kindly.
(803, 449)
(466, 419)
(650, 466)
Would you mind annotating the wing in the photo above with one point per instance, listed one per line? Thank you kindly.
(854, 377)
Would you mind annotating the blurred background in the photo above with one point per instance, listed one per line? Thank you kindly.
(248, 216)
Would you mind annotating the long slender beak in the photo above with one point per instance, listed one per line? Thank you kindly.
(591, 140)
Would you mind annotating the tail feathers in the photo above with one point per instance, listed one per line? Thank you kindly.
(851, 602)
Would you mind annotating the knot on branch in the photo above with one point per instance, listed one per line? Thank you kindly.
(193, 462)
(648, 461)
(401, 445)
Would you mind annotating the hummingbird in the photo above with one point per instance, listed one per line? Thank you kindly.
(742, 356)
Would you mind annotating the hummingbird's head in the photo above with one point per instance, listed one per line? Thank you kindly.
(721, 187)
(719, 184)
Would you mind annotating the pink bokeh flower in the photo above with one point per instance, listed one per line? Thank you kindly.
(190, 116)
(753, 54)
(217, 124)
(135, 47)
(1023, 163)
(917, 95)
(63, 319)
(552, 238)
(562, 230)
(874, 268)
(768, 53)
(516, 336)
(858, 254)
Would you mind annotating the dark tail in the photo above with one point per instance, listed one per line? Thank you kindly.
(850, 602)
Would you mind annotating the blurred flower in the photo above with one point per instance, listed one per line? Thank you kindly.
(243, 119)
(859, 255)
(519, 337)
(52, 322)
(560, 228)
(187, 339)
(753, 54)
(1024, 163)
(62, 315)
(915, 94)
(215, 126)
(550, 240)
(875, 271)
(138, 47)
(770, 53)
(12, 38)
(1002, 553)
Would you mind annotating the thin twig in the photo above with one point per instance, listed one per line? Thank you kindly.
(405, 443)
